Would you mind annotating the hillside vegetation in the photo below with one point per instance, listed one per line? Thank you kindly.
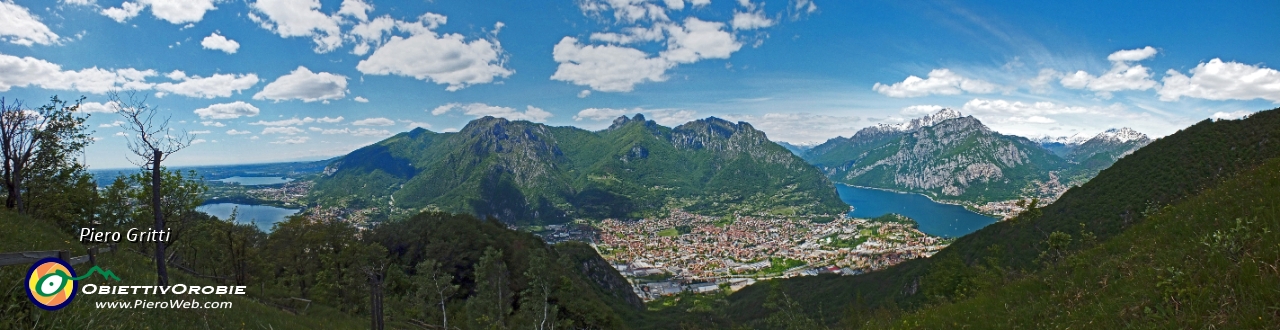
(529, 173)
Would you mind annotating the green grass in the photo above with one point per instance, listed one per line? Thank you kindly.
(669, 232)
(1211, 261)
(18, 233)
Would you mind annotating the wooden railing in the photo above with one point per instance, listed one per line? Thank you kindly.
(29, 257)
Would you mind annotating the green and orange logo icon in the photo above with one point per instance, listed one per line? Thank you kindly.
(51, 283)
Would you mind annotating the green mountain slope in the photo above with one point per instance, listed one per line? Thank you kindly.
(525, 172)
(1167, 171)
(1209, 261)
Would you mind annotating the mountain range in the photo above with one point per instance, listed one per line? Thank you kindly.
(524, 172)
(953, 157)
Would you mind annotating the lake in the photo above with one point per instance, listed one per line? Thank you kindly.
(261, 215)
(255, 180)
(935, 218)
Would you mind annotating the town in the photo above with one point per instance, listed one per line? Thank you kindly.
(688, 252)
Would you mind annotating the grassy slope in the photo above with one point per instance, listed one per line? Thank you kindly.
(18, 233)
(1210, 261)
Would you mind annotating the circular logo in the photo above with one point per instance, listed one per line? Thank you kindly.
(51, 284)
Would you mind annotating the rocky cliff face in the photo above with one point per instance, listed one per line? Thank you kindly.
(943, 155)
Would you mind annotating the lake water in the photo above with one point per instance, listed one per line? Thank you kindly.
(261, 215)
(255, 180)
(935, 218)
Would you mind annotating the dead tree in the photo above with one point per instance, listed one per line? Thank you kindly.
(22, 132)
(152, 140)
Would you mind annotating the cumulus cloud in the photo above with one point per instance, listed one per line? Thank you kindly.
(302, 18)
(1218, 80)
(288, 130)
(379, 121)
(295, 121)
(603, 113)
(200, 132)
(212, 123)
(940, 81)
(302, 84)
(218, 42)
(236, 132)
(750, 19)
(357, 9)
(606, 68)
(29, 71)
(217, 85)
(448, 59)
(1041, 83)
(97, 107)
(584, 93)
(116, 123)
(198, 141)
(1123, 75)
(18, 26)
(697, 40)
(172, 11)
(328, 120)
(231, 110)
(361, 99)
(531, 113)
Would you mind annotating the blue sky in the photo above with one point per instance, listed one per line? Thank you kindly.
(268, 80)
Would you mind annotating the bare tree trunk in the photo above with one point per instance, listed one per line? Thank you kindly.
(162, 274)
(17, 189)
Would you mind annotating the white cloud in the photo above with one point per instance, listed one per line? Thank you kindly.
(27, 71)
(116, 123)
(697, 40)
(217, 85)
(1018, 108)
(120, 134)
(447, 59)
(198, 141)
(370, 132)
(1122, 75)
(295, 121)
(18, 26)
(361, 99)
(328, 120)
(218, 42)
(1220, 115)
(531, 113)
(1218, 80)
(750, 20)
(96, 107)
(357, 9)
(300, 18)
(805, 7)
(603, 113)
(921, 110)
(631, 34)
(200, 132)
(374, 122)
(231, 110)
(1132, 55)
(606, 68)
(212, 123)
(172, 11)
(236, 132)
(289, 130)
(80, 2)
(302, 84)
(940, 81)
(584, 93)
(626, 11)
(297, 140)
(126, 11)
(1041, 83)
(415, 124)
(255, 137)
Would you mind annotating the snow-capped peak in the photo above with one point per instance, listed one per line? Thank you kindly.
(1120, 135)
(1075, 139)
(926, 121)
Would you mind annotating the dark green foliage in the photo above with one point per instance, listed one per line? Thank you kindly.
(528, 173)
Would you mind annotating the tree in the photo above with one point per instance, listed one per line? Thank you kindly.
(40, 142)
(492, 301)
(436, 287)
(152, 141)
(535, 301)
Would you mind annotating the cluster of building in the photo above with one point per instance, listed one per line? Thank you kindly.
(720, 251)
(291, 193)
